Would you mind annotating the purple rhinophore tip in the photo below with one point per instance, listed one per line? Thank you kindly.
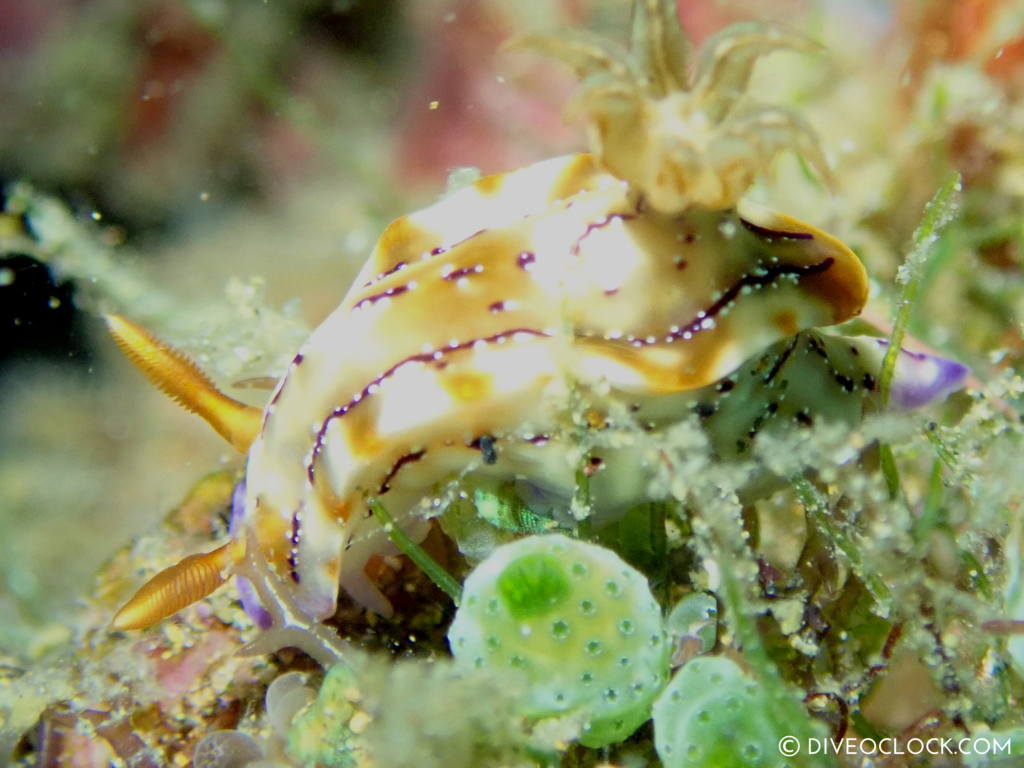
(250, 602)
(237, 510)
(252, 605)
(921, 378)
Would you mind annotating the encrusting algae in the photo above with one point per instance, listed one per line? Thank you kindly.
(577, 473)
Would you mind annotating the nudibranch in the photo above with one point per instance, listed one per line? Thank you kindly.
(480, 324)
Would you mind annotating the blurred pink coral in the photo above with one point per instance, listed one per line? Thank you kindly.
(458, 111)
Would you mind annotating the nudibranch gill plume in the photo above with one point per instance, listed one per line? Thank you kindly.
(480, 323)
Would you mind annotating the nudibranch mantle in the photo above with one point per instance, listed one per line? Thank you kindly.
(480, 324)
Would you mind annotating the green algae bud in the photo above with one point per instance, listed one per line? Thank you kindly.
(533, 585)
(578, 623)
(695, 616)
(321, 733)
(712, 715)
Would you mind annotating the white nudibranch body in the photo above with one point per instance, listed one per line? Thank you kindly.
(400, 393)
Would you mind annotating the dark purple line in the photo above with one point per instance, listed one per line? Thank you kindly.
(611, 217)
(782, 359)
(385, 486)
(296, 361)
(398, 290)
(423, 357)
(382, 275)
(444, 249)
(463, 272)
(496, 307)
(759, 230)
(770, 275)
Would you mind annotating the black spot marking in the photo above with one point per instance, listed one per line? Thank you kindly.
(293, 552)
(817, 347)
(488, 451)
(804, 418)
(844, 381)
(725, 386)
(705, 410)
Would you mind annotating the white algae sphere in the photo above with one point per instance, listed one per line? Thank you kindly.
(577, 621)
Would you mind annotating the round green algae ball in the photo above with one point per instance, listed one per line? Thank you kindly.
(579, 623)
(712, 715)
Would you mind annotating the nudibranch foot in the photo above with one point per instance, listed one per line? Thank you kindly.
(679, 138)
(290, 627)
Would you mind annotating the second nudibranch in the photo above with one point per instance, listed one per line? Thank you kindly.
(483, 326)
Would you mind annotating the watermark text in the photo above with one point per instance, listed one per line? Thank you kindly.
(791, 746)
